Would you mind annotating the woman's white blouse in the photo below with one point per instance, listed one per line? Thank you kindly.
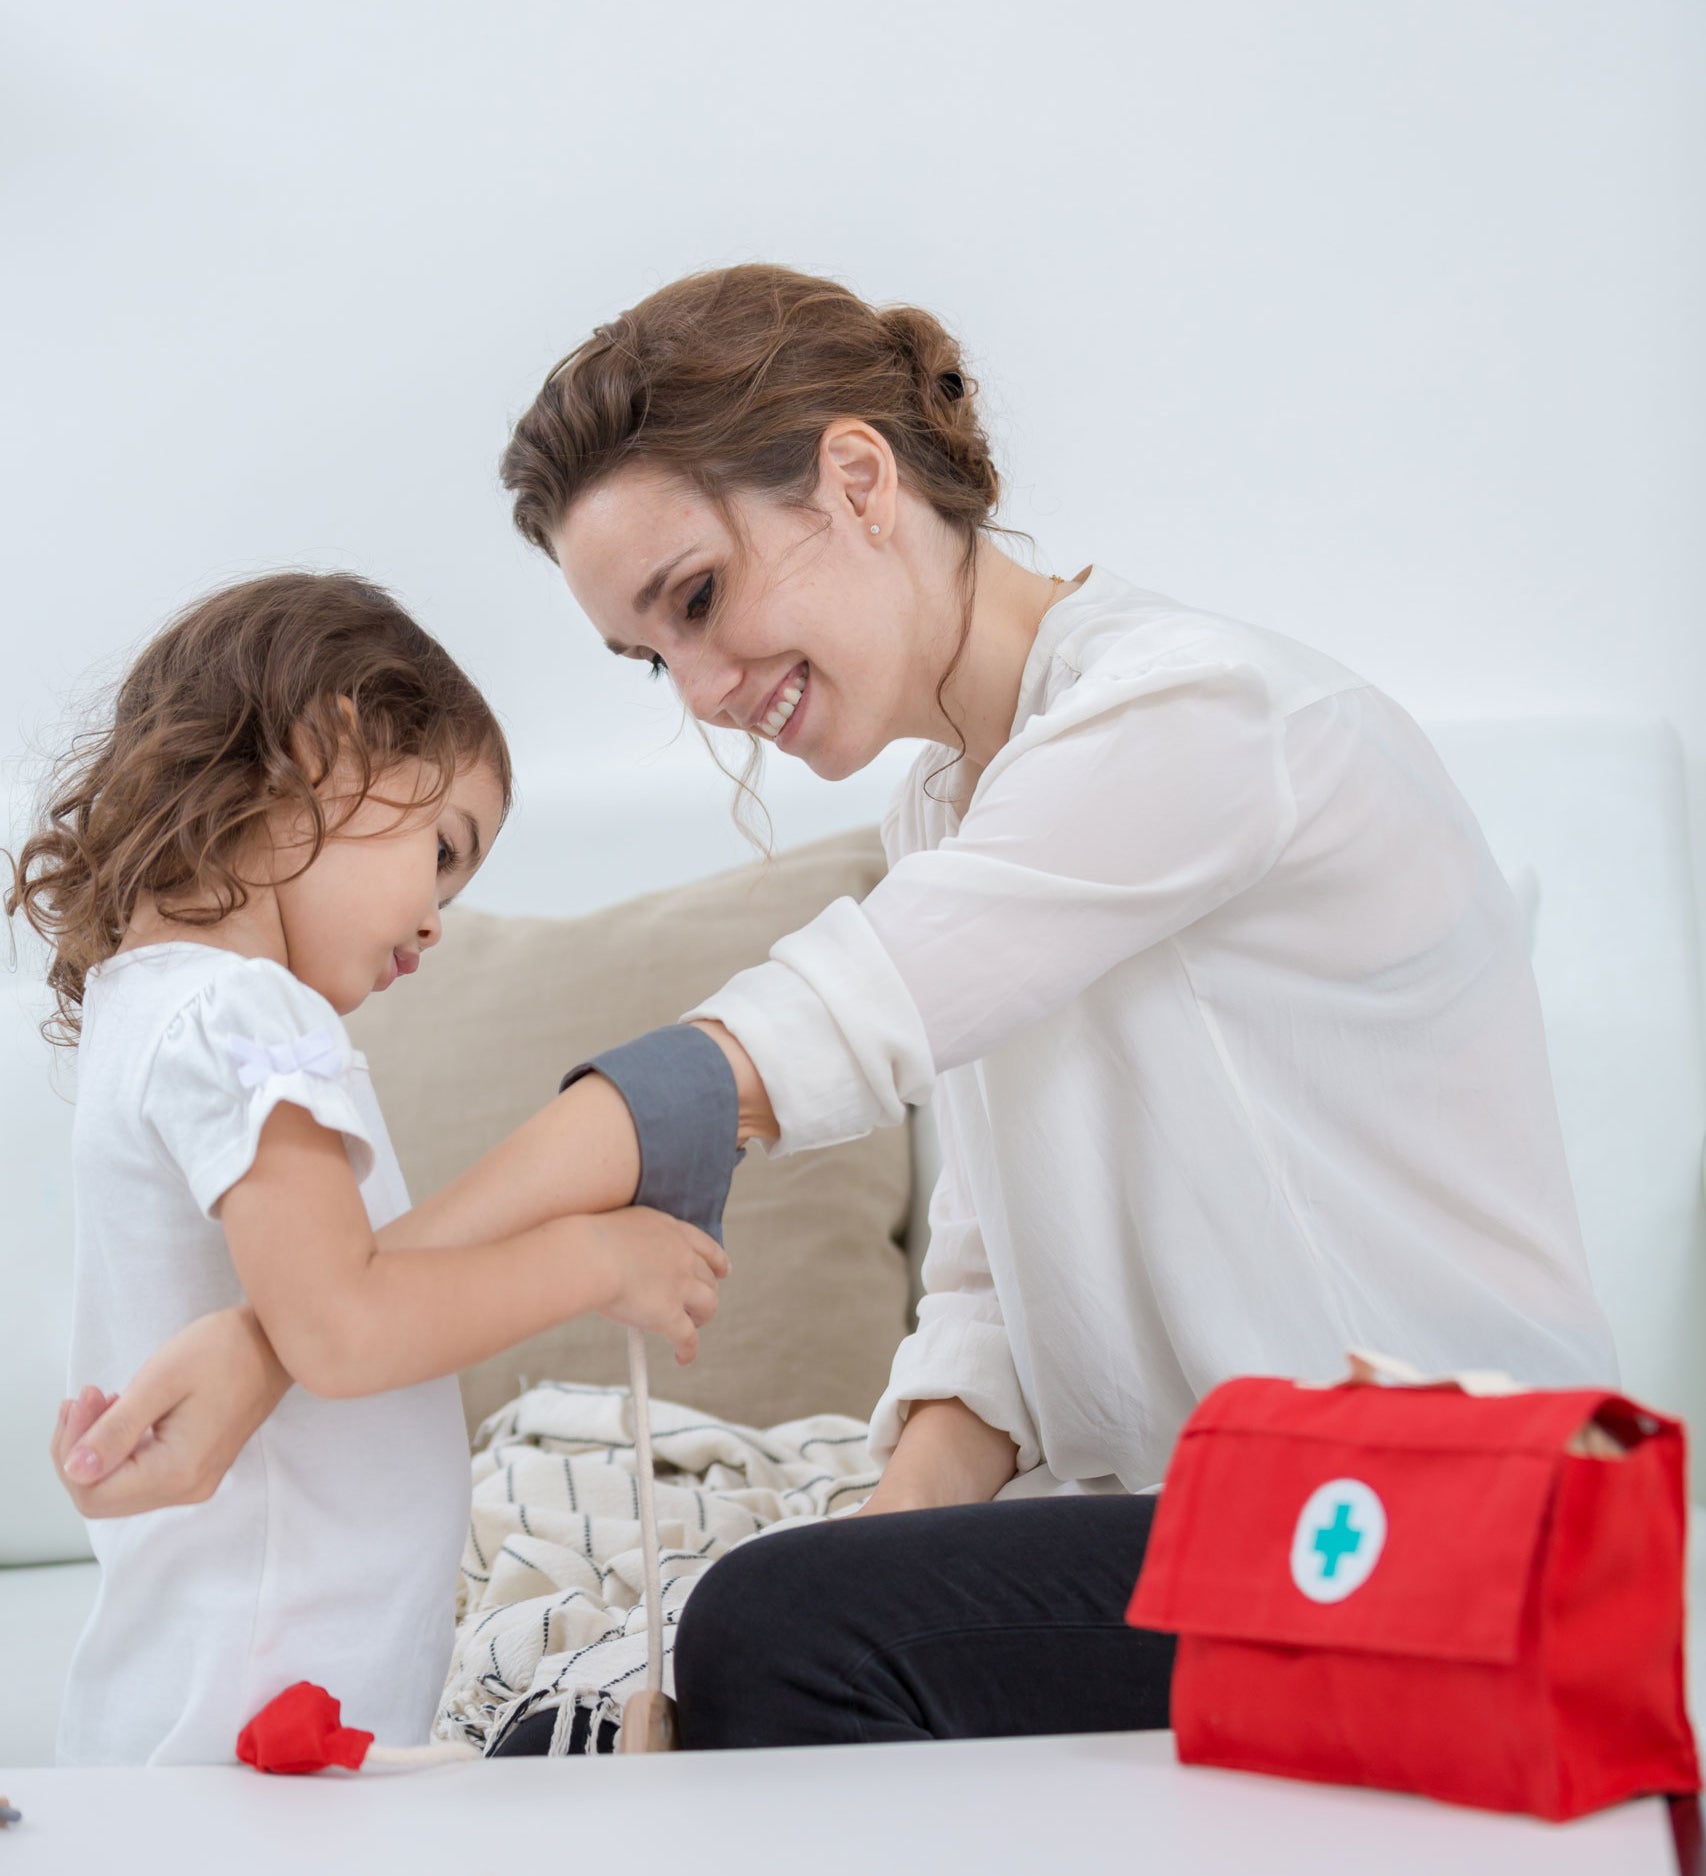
(1236, 1052)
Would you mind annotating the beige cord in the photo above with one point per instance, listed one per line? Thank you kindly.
(436, 1752)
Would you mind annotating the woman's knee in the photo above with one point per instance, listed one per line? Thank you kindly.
(748, 1654)
(742, 1609)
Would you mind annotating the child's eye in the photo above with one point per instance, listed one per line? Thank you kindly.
(700, 604)
(446, 855)
(658, 667)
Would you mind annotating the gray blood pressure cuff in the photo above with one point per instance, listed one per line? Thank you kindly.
(681, 1092)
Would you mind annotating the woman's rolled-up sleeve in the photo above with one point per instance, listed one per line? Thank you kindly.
(960, 1349)
(1132, 808)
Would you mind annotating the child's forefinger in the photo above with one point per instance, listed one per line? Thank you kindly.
(78, 1416)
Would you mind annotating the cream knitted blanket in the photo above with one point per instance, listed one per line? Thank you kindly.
(550, 1606)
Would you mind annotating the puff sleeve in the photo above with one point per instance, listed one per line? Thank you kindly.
(250, 1039)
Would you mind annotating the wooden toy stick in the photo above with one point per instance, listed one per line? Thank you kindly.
(7, 1814)
(639, 1386)
(648, 1718)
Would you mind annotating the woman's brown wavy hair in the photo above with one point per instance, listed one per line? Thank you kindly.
(728, 380)
(246, 703)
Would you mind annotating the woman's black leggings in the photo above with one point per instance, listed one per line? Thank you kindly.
(958, 1624)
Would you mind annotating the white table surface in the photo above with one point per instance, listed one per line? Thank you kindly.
(1072, 1806)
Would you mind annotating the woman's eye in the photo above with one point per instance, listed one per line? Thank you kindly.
(700, 604)
(657, 665)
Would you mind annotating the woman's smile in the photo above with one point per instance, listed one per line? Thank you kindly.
(784, 705)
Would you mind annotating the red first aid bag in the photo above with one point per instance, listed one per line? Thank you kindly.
(1477, 1598)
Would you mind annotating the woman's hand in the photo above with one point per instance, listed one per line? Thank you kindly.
(658, 1274)
(757, 1118)
(171, 1436)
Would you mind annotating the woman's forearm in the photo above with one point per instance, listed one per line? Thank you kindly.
(757, 1117)
(945, 1455)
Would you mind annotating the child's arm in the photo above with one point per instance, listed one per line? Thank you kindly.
(346, 1320)
(183, 1418)
(579, 1154)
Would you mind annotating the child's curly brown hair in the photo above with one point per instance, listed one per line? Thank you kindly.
(246, 702)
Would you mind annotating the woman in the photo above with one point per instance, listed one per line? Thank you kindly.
(1223, 1005)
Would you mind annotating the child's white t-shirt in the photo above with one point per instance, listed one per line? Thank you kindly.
(329, 1553)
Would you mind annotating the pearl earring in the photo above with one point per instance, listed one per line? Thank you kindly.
(875, 529)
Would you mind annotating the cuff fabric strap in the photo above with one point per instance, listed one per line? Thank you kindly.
(681, 1093)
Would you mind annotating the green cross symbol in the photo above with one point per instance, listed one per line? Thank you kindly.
(1337, 1539)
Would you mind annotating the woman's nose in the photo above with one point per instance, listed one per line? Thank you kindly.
(706, 682)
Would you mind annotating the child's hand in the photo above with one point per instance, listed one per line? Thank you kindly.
(661, 1275)
(171, 1436)
(75, 1419)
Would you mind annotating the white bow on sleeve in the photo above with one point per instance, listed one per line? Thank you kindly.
(313, 1054)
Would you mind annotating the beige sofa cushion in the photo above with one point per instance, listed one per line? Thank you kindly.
(464, 1052)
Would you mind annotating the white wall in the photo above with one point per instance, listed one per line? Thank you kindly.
(1375, 322)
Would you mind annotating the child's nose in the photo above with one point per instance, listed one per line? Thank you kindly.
(430, 930)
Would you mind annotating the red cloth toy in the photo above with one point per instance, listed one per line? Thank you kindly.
(300, 1731)
(1472, 1597)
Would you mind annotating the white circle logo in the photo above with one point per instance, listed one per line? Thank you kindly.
(1339, 1537)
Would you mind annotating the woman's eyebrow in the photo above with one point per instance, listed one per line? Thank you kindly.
(648, 593)
(646, 597)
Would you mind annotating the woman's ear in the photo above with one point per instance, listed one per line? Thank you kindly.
(857, 476)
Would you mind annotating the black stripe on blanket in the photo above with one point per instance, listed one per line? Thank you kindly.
(528, 1735)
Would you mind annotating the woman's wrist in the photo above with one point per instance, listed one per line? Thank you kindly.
(946, 1455)
(757, 1118)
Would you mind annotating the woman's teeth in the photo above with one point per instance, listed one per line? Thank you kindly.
(785, 705)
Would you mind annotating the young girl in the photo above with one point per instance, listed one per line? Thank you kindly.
(295, 781)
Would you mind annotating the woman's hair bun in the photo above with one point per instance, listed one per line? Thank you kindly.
(947, 396)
